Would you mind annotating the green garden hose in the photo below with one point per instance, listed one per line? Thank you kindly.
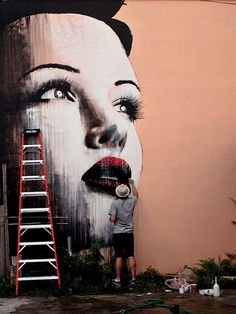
(155, 302)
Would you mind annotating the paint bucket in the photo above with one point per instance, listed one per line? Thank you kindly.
(193, 288)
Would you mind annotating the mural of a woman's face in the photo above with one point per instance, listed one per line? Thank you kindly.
(80, 89)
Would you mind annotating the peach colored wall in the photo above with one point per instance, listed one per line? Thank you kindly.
(184, 54)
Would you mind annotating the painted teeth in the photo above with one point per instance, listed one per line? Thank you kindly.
(109, 178)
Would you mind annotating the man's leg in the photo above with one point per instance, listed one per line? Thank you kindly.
(117, 243)
(129, 249)
(132, 266)
(119, 266)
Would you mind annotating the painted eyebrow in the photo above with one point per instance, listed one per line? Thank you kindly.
(127, 82)
(54, 66)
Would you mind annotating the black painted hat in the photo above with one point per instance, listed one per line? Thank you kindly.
(11, 10)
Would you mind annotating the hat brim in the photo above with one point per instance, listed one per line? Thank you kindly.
(122, 195)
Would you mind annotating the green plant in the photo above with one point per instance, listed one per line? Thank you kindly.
(87, 271)
(209, 268)
(5, 286)
(149, 281)
(89, 274)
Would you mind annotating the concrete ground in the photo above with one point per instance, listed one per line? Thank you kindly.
(114, 303)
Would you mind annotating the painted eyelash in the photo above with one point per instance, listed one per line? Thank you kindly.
(133, 106)
(62, 84)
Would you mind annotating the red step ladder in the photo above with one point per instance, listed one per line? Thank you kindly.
(36, 248)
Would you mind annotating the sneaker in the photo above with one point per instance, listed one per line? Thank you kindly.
(116, 283)
(132, 282)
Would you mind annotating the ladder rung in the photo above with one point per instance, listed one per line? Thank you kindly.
(38, 260)
(37, 278)
(33, 178)
(37, 193)
(32, 162)
(36, 243)
(32, 146)
(35, 226)
(34, 210)
(31, 131)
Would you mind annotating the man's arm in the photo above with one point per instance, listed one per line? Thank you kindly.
(112, 218)
(112, 212)
(133, 188)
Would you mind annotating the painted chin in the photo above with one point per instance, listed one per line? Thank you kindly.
(107, 174)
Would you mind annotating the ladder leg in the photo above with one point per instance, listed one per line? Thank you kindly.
(19, 217)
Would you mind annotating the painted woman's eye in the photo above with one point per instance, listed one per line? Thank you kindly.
(123, 108)
(129, 105)
(56, 89)
(59, 94)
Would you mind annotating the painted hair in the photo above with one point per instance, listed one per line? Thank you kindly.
(104, 10)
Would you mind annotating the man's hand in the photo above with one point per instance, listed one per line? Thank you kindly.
(112, 218)
(134, 190)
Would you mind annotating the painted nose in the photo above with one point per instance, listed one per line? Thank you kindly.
(106, 136)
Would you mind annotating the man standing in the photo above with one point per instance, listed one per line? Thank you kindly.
(121, 214)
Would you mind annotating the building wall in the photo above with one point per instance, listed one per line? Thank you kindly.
(184, 55)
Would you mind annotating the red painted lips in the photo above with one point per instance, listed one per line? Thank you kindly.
(107, 173)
